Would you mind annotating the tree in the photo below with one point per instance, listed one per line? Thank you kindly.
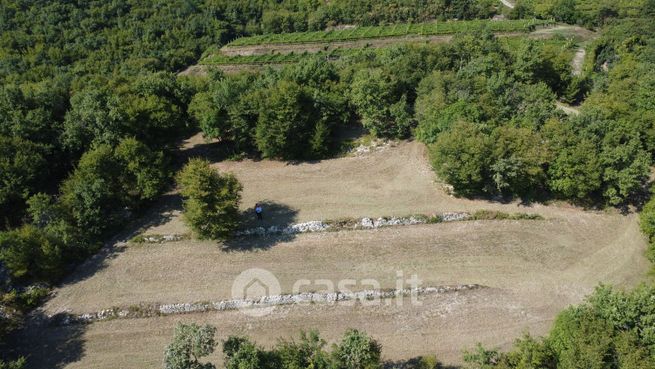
(212, 109)
(95, 117)
(211, 205)
(31, 255)
(461, 156)
(435, 112)
(357, 351)
(481, 358)
(143, 171)
(190, 343)
(17, 364)
(518, 160)
(286, 119)
(381, 103)
(154, 106)
(92, 194)
(22, 169)
(244, 355)
(625, 165)
(647, 224)
(308, 353)
(530, 353)
(576, 171)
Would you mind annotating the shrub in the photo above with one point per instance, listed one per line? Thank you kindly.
(190, 343)
(31, 255)
(357, 350)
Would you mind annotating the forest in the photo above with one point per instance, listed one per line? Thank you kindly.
(91, 111)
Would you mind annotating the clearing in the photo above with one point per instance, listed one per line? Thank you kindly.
(531, 269)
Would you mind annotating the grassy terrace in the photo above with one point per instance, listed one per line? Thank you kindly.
(219, 59)
(216, 58)
(396, 30)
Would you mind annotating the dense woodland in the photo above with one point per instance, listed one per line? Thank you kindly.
(91, 110)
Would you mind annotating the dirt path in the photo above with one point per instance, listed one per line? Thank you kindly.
(507, 4)
(578, 61)
(568, 109)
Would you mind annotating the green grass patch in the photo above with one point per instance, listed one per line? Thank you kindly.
(500, 215)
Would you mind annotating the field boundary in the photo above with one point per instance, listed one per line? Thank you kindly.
(390, 31)
(351, 224)
(306, 298)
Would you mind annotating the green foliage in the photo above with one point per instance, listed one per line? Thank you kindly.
(31, 254)
(481, 358)
(190, 343)
(109, 181)
(462, 156)
(22, 172)
(211, 205)
(17, 364)
(143, 173)
(647, 224)
(243, 354)
(285, 120)
(357, 351)
(612, 329)
(307, 353)
(626, 165)
(92, 193)
(290, 114)
(590, 13)
(499, 215)
(375, 94)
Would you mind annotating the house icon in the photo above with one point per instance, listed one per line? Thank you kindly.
(255, 289)
(255, 285)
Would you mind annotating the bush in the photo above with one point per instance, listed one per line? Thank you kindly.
(31, 255)
(190, 343)
(499, 215)
(357, 350)
(211, 205)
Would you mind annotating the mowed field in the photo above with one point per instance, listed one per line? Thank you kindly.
(531, 269)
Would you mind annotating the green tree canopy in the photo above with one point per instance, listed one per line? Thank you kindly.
(211, 205)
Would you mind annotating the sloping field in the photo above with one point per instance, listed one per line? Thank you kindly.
(394, 30)
(233, 59)
(531, 269)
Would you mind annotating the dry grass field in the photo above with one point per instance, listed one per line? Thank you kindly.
(531, 269)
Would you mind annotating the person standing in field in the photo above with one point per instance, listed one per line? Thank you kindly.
(258, 211)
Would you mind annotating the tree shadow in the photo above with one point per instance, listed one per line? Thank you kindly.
(158, 213)
(274, 215)
(414, 363)
(212, 151)
(46, 344)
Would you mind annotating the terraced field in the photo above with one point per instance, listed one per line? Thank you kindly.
(559, 259)
(395, 30)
